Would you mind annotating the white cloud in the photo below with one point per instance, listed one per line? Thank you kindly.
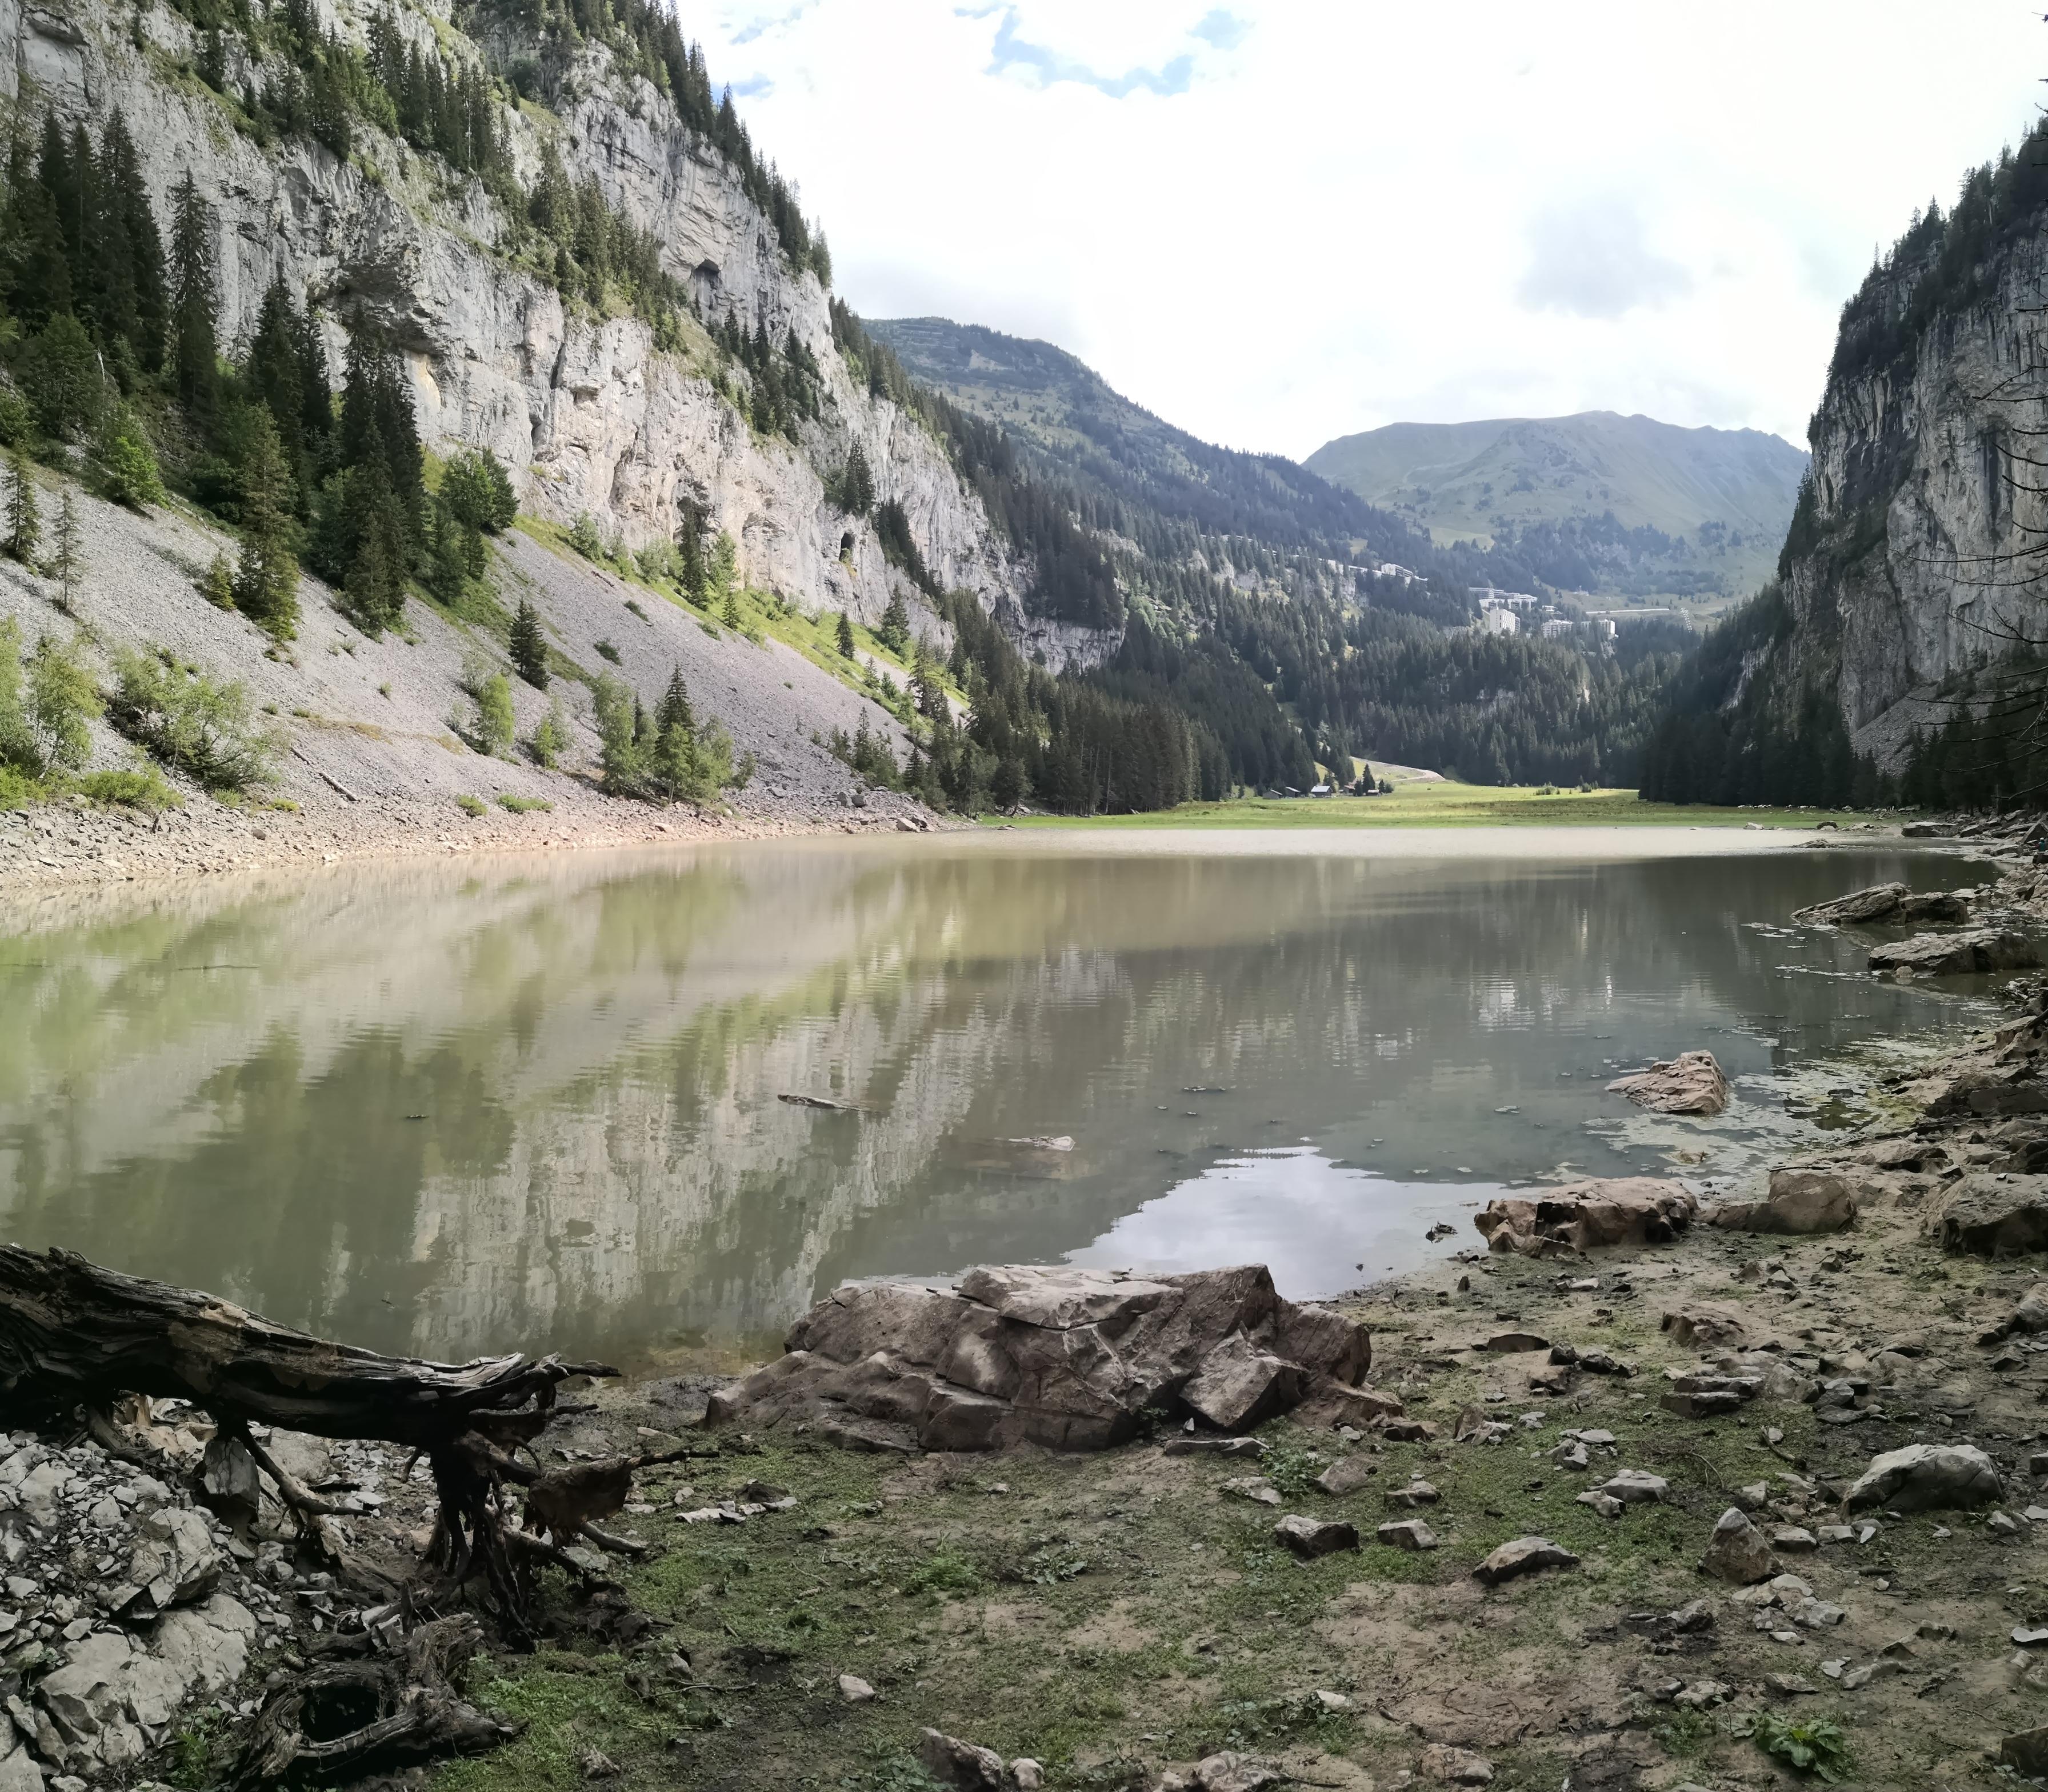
(1277, 222)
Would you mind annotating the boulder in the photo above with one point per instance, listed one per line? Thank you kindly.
(1926, 1477)
(1068, 1357)
(1526, 1555)
(1456, 1767)
(1976, 953)
(1709, 1328)
(1992, 1093)
(960, 1764)
(1738, 1551)
(1311, 1537)
(1800, 1202)
(1691, 1083)
(1581, 1216)
(1990, 1215)
(1346, 1476)
(175, 1562)
(1879, 902)
(18, 1770)
(1407, 1533)
(1636, 1487)
(2030, 1315)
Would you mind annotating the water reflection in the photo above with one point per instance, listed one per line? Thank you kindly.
(448, 1110)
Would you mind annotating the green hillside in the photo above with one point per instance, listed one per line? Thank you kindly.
(1720, 499)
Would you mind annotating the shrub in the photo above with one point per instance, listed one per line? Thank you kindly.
(662, 758)
(193, 723)
(550, 738)
(472, 806)
(476, 487)
(61, 700)
(16, 419)
(525, 805)
(606, 650)
(491, 729)
(216, 584)
(1813, 1745)
(143, 790)
(129, 463)
(583, 537)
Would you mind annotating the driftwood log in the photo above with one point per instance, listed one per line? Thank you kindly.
(74, 1336)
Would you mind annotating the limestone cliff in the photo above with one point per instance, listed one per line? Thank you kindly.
(590, 415)
(1915, 556)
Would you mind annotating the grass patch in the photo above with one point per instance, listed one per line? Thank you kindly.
(472, 806)
(143, 790)
(1448, 804)
(525, 805)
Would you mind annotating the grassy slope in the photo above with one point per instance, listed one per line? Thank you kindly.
(1449, 805)
(1645, 472)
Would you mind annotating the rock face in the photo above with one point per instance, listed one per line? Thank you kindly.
(1926, 1477)
(1981, 951)
(1988, 1216)
(1064, 1357)
(1580, 1217)
(1691, 1083)
(588, 412)
(1800, 1202)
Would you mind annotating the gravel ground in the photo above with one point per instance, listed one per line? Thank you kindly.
(373, 765)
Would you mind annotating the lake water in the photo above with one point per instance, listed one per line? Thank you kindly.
(450, 1108)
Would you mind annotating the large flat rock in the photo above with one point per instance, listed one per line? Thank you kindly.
(1579, 1216)
(1068, 1357)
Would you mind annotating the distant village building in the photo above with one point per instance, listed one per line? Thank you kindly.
(1499, 620)
(1491, 597)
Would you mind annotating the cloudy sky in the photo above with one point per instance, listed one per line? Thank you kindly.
(1276, 223)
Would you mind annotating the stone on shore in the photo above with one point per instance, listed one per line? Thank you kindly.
(1986, 1215)
(1738, 1551)
(1800, 1202)
(1580, 1217)
(1925, 1478)
(1311, 1537)
(1691, 1083)
(1526, 1555)
(1068, 1357)
(1891, 903)
(1456, 1767)
(1976, 953)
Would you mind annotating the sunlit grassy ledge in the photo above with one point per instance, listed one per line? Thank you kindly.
(1462, 805)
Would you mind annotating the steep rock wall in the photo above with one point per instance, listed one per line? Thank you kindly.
(1921, 551)
(586, 410)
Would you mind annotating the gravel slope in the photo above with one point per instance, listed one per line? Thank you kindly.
(372, 762)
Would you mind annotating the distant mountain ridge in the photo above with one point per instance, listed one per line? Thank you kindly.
(1721, 499)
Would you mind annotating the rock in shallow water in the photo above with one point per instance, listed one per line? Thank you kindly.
(1691, 1083)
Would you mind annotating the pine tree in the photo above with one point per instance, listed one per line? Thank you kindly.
(730, 615)
(24, 521)
(67, 546)
(530, 648)
(266, 576)
(123, 189)
(195, 352)
(895, 630)
(846, 634)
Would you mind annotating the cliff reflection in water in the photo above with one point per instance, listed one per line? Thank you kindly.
(449, 1111)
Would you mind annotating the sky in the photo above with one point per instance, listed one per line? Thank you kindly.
(1272, 224)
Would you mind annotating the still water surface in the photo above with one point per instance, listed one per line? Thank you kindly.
(448, 1109)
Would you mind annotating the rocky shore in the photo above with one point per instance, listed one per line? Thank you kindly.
(1635, 1491)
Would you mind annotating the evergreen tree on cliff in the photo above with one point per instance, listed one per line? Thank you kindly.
(195, 296)
(529, 649)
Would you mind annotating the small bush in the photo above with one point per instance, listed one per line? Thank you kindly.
(1815, 1745)
(216, 584)
(16, 422)
(193, 725)
(491, 729)
(129, 790)
(550, 738)
(479, 491)
(525, 805)
(606, 650)
(128, 472)
(584, 538)
(472, 806)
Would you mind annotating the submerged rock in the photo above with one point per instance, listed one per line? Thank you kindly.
(1892, 903)
(1067, 1358)
(1691, 1083)
(1581, 1216)
(1977, 952)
